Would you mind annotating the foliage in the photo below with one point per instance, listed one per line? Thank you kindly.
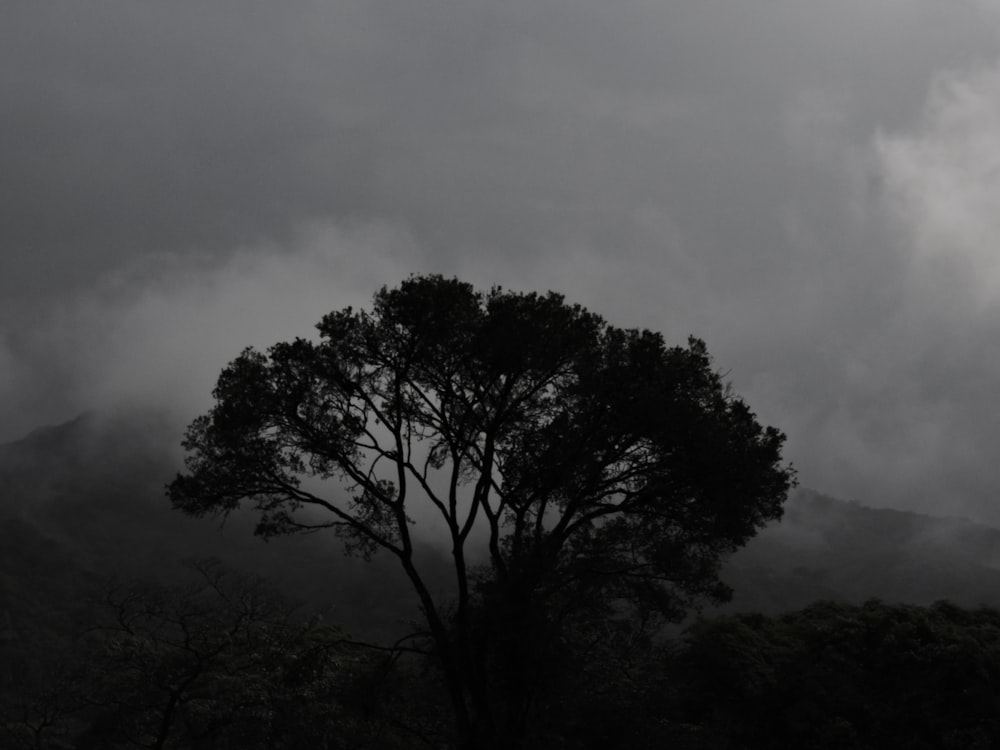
(218, 663)
(575, 466)
(845, 676)
(222, 663)
(41, 715)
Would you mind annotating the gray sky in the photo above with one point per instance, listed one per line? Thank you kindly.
(811, 187)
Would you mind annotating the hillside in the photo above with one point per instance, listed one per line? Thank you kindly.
(831, 549)
(84, 500)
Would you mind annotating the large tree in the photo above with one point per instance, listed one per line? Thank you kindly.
(577, 468)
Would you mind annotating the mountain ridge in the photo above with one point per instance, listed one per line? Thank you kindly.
(93, 487)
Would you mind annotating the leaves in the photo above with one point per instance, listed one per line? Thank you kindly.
(221, 660)
(840, 675)
(599, 464)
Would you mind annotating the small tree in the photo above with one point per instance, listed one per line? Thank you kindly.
(574, 464)
(220, 662)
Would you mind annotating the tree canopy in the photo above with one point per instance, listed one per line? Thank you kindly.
(582, 472)
(837, 675)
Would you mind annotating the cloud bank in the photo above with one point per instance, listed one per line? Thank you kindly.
(808, 187)
(156, 333)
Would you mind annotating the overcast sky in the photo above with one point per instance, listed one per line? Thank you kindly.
(811, 187)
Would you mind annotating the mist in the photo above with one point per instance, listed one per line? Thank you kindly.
(810, 190)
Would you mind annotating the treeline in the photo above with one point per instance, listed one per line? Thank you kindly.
(223, 662)
(843, 676)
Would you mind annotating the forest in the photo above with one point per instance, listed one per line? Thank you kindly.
(221, 661)
(607, 565)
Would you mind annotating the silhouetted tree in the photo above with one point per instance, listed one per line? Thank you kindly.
(582, 472)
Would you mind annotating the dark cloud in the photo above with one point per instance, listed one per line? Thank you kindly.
(803, 185)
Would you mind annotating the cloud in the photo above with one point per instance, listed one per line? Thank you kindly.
(943, 182)
(156, 333)
(913, 420)
(181, 182)
(484, 128)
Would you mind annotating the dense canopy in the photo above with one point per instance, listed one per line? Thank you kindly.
(577, 468)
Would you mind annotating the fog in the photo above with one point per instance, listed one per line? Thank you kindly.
(810, 188)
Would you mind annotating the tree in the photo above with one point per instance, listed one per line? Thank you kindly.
(220, 662)
(578, 468)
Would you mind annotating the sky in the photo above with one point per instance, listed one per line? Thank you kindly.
(812, 188)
